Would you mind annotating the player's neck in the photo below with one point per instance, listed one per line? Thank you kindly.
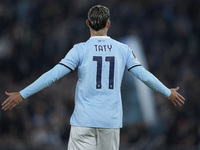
(102, 32)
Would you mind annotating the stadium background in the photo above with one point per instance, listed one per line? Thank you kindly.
(36, 35)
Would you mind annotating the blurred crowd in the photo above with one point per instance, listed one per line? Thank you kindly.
(36, 35)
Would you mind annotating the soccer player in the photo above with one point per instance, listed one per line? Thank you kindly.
(101, 61)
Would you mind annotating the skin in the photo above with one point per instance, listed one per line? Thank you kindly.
(12, 101)
(176, 98)
(15, 98)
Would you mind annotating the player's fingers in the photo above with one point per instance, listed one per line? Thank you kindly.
(181, 97)
(6, 107)
(11, 104)
(181, 101)
(176, 89)
(6, 101)
(178, 102)
(173, 103)
(8, 94)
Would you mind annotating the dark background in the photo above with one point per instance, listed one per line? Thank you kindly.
(36, 35)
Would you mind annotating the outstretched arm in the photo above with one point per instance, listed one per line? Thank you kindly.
(42, 82)
(151, 81)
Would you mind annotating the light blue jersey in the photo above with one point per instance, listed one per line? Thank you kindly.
(101, 62)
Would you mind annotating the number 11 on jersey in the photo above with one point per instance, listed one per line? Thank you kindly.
(111, 61)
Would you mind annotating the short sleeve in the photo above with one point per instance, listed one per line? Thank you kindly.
(71, 60)
(132, 61)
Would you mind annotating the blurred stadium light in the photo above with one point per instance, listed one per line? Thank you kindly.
(138, 100)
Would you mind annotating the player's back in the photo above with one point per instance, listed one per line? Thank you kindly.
(101, 62)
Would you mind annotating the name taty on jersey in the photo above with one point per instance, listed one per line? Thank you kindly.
(103, 48)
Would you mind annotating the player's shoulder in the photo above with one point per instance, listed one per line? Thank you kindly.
(79, 48)
(120, 44)
(79, 45)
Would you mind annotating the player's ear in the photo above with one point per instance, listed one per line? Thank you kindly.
(87, 22)
(108, 24)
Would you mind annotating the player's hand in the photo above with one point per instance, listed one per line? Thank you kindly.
(176, 98)
(13, 100)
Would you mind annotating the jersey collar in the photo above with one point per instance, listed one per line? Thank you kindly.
(99, 37)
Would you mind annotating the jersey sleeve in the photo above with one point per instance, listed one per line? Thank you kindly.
(44, 80)
(150, 80)
(131, 61)
(71, 60)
